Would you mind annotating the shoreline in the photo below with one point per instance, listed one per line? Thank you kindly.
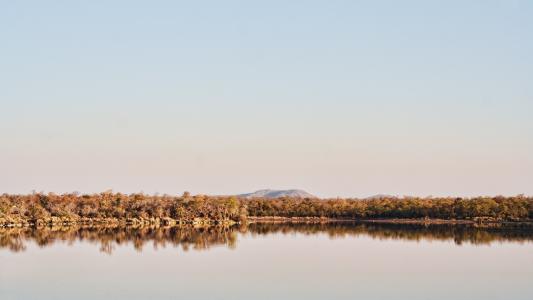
(204, 222)
(113, 222)
(295, 220)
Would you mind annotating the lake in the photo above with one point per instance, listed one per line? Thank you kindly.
(268, 261)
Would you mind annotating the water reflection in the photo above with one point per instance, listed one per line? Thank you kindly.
(107, 238)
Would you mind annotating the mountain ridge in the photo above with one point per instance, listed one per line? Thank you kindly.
(272, 194)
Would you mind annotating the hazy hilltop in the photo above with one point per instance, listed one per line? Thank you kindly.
(268, 193)
(295, 193)
(381, 196)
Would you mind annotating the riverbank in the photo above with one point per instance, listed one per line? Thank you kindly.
(169, 222)
(422, 221)
(57, 222)
(327, 220)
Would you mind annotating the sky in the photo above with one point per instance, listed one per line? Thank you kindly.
(339, 98)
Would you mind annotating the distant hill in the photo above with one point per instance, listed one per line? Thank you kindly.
(381, 196)
(267, 193)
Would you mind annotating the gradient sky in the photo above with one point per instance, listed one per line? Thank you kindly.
(340, 98)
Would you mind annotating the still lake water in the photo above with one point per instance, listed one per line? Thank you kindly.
(304, 261)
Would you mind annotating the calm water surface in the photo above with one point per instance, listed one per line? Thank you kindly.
(336, 261)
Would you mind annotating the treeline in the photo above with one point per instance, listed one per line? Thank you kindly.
(490, 208)
(73, 208)
(116, 207)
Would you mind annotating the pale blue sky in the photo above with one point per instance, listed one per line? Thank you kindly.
(340, 98)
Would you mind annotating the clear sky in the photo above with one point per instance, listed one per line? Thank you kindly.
(340, 98)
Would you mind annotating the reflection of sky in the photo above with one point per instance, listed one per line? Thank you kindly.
(336, 97)
(275, 266)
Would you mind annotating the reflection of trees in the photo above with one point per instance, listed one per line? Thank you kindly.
(109, 237)
(12, 241)
(188, 237)
(413, 232)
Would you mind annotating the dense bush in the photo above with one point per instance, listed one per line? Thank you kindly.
(120, 206)
(497, 208)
